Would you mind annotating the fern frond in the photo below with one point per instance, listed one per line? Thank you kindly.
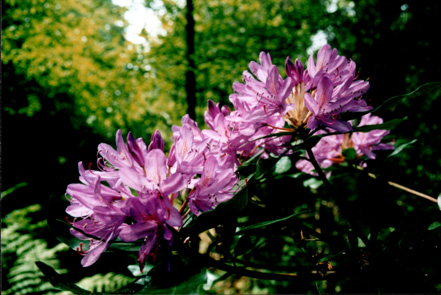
(108, 283)
(20, 250)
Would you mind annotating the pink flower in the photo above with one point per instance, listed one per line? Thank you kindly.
(94, 203)
(133, 175)
(329, 150)
(322, 110)
(152, 224)
(368, 142)
(214, 186)
(325, 90)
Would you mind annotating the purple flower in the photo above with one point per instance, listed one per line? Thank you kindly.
(264, 96)
(157, 142)
(132, 175)
(314, 98)
(152, 221)
(214, 186)
(326, 152)
(323, 110)
(154, 182)
(368, 142)
(94, 203)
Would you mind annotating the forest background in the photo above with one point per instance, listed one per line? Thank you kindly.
(71, 79)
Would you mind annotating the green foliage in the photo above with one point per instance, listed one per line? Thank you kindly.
(28, 261)
(20, 248)
(98, 283)
(229, 34)
(76, 54)
(12, 189)
(107, 283)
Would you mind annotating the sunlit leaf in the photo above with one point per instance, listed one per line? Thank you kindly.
(434, 225)
(400, 148)
(12, 189)
(283, 165)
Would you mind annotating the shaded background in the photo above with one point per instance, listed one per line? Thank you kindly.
(71, 79)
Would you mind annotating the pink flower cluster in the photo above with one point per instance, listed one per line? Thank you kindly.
(134, 194)
(307, 98)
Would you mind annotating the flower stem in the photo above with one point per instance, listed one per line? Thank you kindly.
(183, 205)
(402, 187)
(317, 167)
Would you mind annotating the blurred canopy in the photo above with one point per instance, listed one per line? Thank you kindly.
(71, 79)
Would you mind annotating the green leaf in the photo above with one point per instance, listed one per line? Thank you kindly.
(278, 134)
(62, 233)
(222, 213)
(251, 161)
(389, 125)
(400, 148)
(192, 285)
(124, 246)
(12, 189)
(330, 256)
(58, 281)
(361, 244)
(312, 183)
(384, 232)
(269, 222)
(283, 165)
(434, 225)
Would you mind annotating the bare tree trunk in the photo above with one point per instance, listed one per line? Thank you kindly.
(190, 77)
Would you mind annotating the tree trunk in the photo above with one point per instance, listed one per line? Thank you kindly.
(190, 77)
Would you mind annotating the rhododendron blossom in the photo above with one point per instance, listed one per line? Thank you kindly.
(131, 197)
(143, 193)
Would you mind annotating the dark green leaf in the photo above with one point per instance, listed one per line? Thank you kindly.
(192, 285)
(222, 213)
(269, 222)
(124, 246)
(384, 126)
(62, 233)
(384, 232)
(278, 134)
(58, 281)
(330, 257)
